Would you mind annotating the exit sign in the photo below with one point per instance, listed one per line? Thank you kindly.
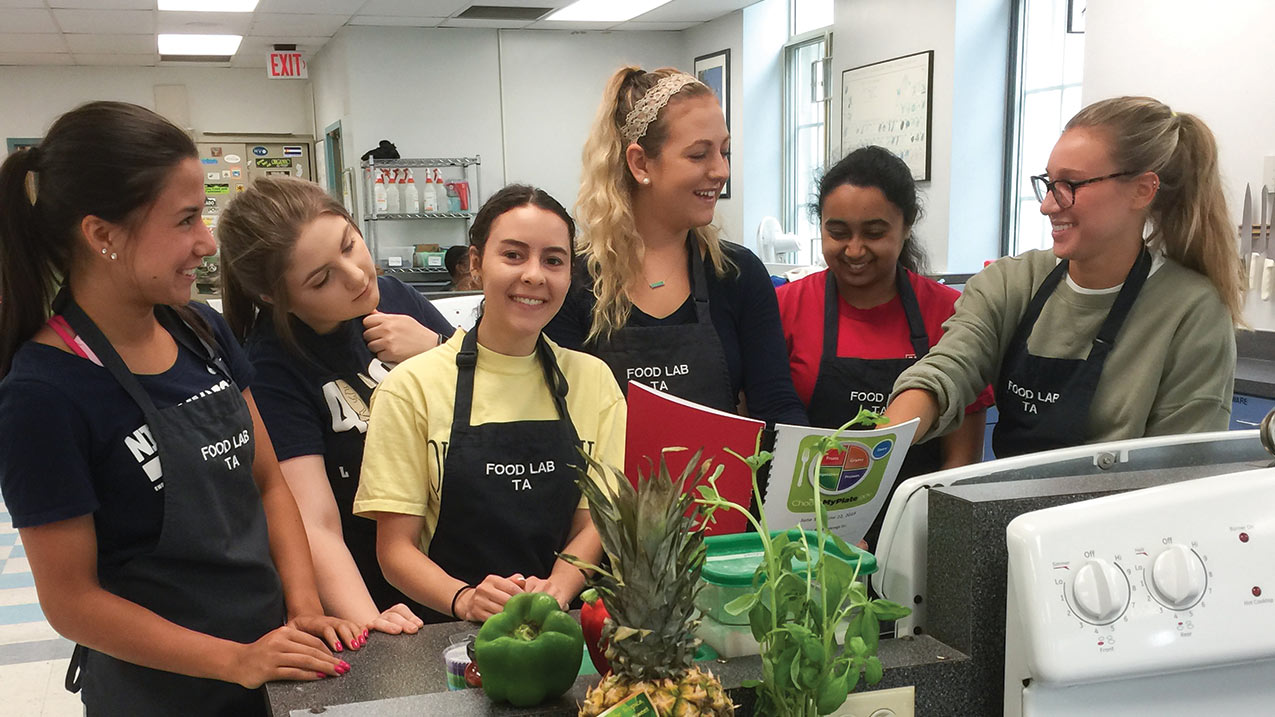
(286, 66)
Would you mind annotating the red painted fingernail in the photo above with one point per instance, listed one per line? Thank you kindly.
(345, 664)
(365, 633)
(338, 647)
(321, 675)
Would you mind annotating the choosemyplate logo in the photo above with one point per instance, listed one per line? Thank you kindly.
(848, 475)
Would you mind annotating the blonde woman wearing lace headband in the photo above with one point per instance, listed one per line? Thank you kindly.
(659, 295)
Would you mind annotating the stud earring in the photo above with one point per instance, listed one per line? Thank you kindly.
(646, 180)
(103, 250)
(113, 256)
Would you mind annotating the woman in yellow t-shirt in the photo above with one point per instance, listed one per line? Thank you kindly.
(468, 466)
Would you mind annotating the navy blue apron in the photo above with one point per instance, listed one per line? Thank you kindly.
(508, 489)
(846, 384)
(1044, 402)
(211, 569)
(686, 360)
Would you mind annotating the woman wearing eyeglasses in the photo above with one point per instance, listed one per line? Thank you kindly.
(1125, 328)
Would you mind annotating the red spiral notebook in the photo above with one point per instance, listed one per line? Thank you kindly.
(658, 420)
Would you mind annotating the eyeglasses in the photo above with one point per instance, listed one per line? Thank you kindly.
(1064, 190)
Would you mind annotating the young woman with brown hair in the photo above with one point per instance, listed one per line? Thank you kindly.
(322, 329)
(160, 532)
(1115, 332)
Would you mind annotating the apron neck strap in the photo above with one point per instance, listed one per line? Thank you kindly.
(699, 281)
(467, 363)
(917, 334)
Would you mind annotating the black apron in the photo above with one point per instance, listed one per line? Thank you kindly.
(1044, 402)
(211, 569)
(844, 384)
(685, 360)
(508, 489)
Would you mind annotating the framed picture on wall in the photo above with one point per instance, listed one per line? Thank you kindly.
(713, 70)
(13, 144)
(1076, 16)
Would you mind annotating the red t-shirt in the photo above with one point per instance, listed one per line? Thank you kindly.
(880, 332)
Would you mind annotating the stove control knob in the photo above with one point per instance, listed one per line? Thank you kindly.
(1177, 577)
(1100, 591)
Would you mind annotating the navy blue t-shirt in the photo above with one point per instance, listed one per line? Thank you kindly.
(73, 442)
(745, 314)
(317, 404)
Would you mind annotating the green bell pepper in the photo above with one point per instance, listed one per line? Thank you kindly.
(530, 652)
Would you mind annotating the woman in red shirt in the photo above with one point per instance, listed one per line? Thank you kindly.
(853, 328)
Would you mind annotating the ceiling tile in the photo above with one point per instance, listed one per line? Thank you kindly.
(32, 58)
(120, 60)
(421, 8)
(103, 4)
(573, 26)
(27, 20)
(205, 23)
(122, 22)
(32, 43)
(264, 45)
(310, 25)
(632, 26)
(123, 44)
(333, 7)
(396, 21)
(21, 3)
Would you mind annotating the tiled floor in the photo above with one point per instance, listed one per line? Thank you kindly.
(33, 657)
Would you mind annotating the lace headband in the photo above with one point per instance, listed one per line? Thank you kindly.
(647, 108)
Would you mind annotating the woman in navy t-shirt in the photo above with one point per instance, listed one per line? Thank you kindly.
(322, 329)
(159, 530)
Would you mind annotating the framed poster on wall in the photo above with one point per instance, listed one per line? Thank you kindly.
(713, 70)
(888, 103)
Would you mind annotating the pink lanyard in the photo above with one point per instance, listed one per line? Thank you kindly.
(72, 339)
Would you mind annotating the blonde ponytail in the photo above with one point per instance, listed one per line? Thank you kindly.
(1189, 217)
(609, 242)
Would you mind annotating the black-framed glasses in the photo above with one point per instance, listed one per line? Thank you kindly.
(1064, 190)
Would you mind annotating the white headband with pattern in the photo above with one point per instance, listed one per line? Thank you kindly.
(647, 108)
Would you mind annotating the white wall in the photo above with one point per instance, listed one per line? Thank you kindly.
(962, 201)
(220, 99)
(759, 151)
(551, 85)
(1213, 63)
(724, 33)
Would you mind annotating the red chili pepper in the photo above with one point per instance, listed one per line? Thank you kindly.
(592, 616)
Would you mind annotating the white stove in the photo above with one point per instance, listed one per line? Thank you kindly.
(1154, 602)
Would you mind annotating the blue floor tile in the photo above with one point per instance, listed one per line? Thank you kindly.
(16, 580)
(18, 552)
(12, 614)
(8, 538)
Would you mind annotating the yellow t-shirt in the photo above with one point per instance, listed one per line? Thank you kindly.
(411, 422)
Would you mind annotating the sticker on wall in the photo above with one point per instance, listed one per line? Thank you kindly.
(238, 188)
(291, 151)
(260, 151)
(215, 151)
(206, 160)
(209, 221)
(232, 159)
(235, 173)
(210, 202)
(213, 189)
(213, 176)
(299, 169)
(225, 174)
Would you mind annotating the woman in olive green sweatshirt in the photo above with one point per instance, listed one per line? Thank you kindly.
(1125, 328)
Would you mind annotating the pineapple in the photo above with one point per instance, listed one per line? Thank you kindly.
(655, 540)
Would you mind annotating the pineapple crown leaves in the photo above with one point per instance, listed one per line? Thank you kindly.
(654, 536)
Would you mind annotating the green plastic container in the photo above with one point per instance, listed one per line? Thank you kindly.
(733, 559)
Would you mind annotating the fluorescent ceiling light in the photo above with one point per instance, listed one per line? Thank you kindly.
(605, 10)
(208, 5)
(215, 45)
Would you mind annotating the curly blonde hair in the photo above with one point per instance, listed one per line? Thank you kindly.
(1189, 218)
(610, 243)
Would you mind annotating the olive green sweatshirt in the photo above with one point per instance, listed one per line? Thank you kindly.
(1172, 368)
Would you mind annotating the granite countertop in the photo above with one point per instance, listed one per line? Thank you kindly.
(404, 675)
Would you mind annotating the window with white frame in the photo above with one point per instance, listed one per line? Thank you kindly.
(1050, 71)
(805, 118)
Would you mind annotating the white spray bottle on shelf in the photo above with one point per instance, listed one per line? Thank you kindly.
(429, 195)
(379, 195)
(392, 195)
(411, 199)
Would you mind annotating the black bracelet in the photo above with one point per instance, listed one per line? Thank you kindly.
(455, 597)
